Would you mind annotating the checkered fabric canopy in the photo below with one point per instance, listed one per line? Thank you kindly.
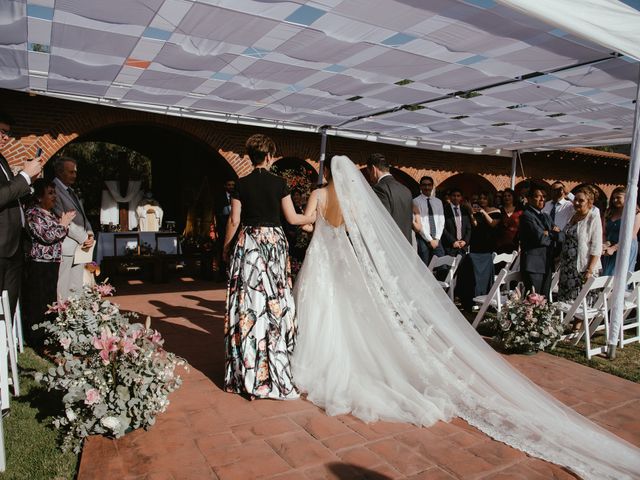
(471, 74)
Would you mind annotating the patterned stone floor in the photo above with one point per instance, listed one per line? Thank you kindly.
(209, 434)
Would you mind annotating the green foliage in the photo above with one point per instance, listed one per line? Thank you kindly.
(31, 447)
(97, 162)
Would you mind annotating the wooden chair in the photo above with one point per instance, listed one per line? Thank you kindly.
(449, 283)
(4, 388)
(18, 334)
(593, 314)
(500, 291)
(509, 259)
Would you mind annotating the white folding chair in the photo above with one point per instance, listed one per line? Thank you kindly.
(594, 317)
(509, 258)
(18, 334)
(553, 289)
(449, 283)
(630, 323)
(498, 295)
(12, 351)
(4, 388)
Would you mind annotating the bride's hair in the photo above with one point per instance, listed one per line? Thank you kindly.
(327, 164)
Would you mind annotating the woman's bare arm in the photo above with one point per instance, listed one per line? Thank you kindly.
(232, 227)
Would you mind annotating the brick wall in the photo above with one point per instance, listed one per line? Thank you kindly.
(52, 123)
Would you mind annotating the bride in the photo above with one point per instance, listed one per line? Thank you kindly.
(379, 338)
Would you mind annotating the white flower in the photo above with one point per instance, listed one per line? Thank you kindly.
(110, 422)
(70, 414)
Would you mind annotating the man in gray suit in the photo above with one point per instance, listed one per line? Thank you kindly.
(395, 197)
(80, 231)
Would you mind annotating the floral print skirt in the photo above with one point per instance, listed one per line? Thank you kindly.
(260, 327)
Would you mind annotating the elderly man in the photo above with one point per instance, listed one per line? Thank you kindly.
(12, 188)
(80, 232)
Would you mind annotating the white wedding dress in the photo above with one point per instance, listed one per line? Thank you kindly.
(379, 338)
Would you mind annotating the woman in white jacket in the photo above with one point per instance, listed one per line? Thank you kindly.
(582, 247)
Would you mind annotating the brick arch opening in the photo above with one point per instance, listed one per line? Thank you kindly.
(469, 183)
(180, 162)
(406, 179)
(299, 165)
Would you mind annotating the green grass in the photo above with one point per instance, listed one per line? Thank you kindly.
(31, 442)
(625, 365)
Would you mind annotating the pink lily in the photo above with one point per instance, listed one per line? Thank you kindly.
(129, 346)
(106, 343)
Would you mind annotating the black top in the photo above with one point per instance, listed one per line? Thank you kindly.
(261, 193)
(483, 235)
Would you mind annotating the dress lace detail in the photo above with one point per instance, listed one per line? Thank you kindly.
(380, 339)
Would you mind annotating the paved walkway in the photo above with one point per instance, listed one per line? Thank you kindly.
(208, 434)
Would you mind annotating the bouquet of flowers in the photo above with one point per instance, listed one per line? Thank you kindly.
(114, 375)
(527, 324)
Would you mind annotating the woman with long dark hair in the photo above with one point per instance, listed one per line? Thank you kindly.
(260, 327)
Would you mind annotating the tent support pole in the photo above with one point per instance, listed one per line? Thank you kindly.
(514, 162)
(626, 234)
(323, 151)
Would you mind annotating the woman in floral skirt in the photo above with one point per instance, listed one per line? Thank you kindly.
(260, 327)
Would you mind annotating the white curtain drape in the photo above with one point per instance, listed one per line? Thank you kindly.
(609, 23)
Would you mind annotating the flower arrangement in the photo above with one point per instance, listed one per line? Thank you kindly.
(297, 179)
(527, 323)
(114, 375)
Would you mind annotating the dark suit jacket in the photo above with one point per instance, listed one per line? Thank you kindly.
(450, 234)
(536, 247)
(10, 222)
(398, 201)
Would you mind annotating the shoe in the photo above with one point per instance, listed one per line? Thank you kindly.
(611, 351)
(6, 412)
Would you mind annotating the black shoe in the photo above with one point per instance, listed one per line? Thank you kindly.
(6, 412)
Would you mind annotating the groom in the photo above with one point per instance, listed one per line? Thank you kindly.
(395, 197)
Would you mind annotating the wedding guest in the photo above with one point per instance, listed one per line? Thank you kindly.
(484, 223)
(395, 197)
(537, 236)
(498, 199)
(580, 258)
(80, 235)
(507, 237)
(457, 225)
(47, 232)
(431, 212)
(613, 221)
(559, 208)
(260, 327)
(12, 189)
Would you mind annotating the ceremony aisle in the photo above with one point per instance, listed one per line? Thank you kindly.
(209, 434)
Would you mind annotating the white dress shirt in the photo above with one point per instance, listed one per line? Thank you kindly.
(564, 212)
(422, 203)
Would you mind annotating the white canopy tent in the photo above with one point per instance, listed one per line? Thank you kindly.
(479, 76)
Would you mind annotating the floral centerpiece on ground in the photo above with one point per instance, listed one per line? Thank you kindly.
(114, 374)
(527, 323)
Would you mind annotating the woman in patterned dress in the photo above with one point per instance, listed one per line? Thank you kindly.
(47, 232)
(260, 327)
(580, 258)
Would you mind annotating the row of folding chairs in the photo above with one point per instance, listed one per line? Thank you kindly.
(11, 342)
(590, 308)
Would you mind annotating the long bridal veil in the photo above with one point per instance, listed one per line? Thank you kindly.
(379, 338)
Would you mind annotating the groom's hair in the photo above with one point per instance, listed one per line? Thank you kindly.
(258, 146)
(377, 160)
